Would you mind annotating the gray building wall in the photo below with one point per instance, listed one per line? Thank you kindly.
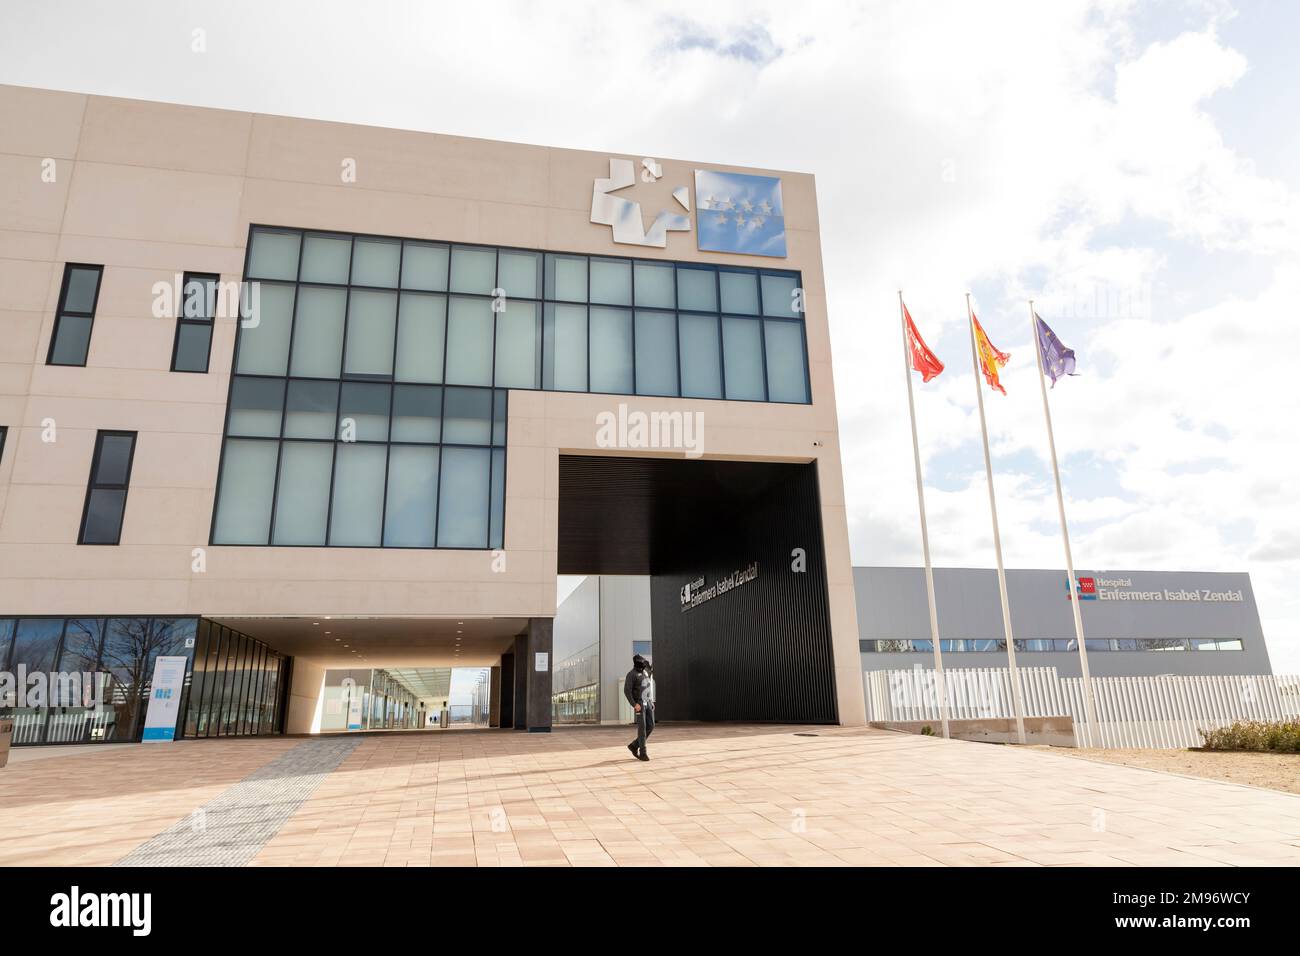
(624, 618)
(577, 620)
(891, 605)
(614, 611)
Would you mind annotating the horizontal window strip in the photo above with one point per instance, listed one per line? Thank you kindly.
(344, 306)
(1051, 645)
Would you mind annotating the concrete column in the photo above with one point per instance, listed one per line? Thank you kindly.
(538, 672)
(506, 692)
(521, 682)
(494, 696)
(305, 698)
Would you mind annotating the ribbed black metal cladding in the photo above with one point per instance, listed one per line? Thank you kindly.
(761, 652)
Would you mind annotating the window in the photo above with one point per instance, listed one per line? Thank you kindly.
(610, 344)
(235, 688)
(368, 398)
(245, 492)
(1099, 644)
(36, 648)
(656, 353)
(786, 372)
(564, 347)
(120, 653)
(70, 341)
(742, 353)
(316, 463)
(340, 306)
(193, 344)
(701, 346)
(110, 473)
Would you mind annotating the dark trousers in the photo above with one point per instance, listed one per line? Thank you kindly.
(645, 725)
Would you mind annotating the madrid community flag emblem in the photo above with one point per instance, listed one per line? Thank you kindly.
(923, 360)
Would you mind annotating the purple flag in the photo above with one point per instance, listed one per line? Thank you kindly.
(1057, 359)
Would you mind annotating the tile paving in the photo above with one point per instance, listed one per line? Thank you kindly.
(231, 828)
(713, 795)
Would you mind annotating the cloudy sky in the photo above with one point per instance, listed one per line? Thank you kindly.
(1133, 168)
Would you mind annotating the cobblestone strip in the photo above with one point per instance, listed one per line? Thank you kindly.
(232, 827)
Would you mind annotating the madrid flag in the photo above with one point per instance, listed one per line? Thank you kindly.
(923, 360)
(990, 358)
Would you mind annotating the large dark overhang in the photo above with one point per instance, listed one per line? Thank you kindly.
(629, 515)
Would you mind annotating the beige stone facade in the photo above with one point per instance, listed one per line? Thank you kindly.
(151, 190)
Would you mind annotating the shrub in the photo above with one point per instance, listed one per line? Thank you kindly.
(927, 731)
(1278, 736)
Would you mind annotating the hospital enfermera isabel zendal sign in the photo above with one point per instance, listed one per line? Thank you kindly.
(735, 212)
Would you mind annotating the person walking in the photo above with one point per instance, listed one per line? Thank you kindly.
(638, 690)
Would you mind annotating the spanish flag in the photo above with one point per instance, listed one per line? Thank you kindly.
(990, 358)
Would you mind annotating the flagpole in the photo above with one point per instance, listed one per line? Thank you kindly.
(940, 686)
(1016, 690)
(1090, 709)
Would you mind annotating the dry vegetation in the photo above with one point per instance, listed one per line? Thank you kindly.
(1274, 771)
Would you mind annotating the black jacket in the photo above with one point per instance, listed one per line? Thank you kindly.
(636, 687)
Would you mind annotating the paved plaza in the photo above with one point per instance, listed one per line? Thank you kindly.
(713, 795)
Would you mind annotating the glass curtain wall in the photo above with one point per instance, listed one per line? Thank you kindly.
(386, 703)
(392, 705)
(368, 401)
(236, 689)
(480, 700)
(110, 660)
(1030, 645)
(575, 688)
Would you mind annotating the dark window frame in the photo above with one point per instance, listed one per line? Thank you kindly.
(497, 450)
(62, 310)
(542, 299)
(1097, 645)
(92, 485)
(103, 622)
(208, 321)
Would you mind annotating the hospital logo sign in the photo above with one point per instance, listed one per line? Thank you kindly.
(1122, 589)
(737, 212)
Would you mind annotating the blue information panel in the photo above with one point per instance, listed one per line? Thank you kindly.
(164, 699)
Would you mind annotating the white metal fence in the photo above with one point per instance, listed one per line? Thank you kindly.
(68, 727)
(973, 693)
(1147, 712)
